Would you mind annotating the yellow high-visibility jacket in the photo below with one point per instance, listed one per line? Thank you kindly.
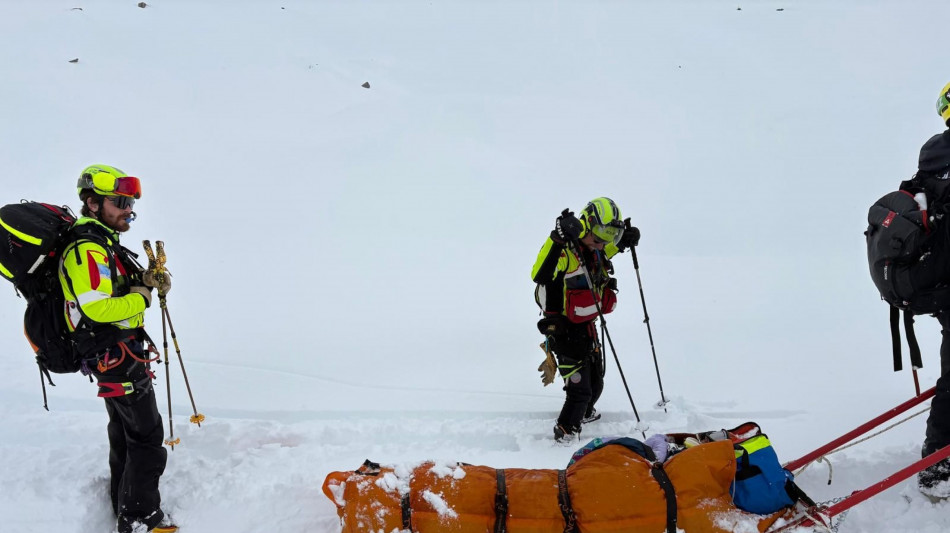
(562, 286)
(96, 283)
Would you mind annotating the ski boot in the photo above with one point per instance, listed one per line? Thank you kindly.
(591, 417)
(565, 437)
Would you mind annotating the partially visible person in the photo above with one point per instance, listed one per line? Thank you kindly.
(933, 174)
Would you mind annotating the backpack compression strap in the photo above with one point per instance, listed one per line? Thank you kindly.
(915, 359)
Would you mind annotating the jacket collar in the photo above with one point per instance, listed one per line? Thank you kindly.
(112, 234)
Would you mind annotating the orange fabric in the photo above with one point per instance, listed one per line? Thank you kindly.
(368, 504)
(471, 499)
(612, 490)
(532, 501)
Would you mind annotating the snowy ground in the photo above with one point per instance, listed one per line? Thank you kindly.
(351, 265)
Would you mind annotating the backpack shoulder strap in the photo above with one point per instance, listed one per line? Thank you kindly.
(79, 234)
(76, 236)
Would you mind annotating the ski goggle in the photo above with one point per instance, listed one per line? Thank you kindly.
(606, 233)
(103, 182)
(122, 202)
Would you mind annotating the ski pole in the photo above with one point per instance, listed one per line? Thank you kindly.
(603, 358)
(575, 248)
(153, 267)
(646, 320)
(196, 418)
(171, 441)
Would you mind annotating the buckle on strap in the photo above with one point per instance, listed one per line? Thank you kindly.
(112, 390)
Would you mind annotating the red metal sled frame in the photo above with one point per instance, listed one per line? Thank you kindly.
(860, 430)
(859, 496)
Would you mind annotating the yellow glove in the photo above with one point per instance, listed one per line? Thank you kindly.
(548, 368)
(162, 283)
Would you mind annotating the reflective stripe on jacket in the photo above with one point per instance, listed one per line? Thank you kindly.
(558, 270)
(96, 284)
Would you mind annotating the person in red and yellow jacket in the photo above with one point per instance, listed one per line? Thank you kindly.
(106, 293)
(572, 269)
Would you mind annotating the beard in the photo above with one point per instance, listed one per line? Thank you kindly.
(115, 221)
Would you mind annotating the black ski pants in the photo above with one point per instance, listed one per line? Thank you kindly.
(938, 423)
(136, 455)
(581, 366)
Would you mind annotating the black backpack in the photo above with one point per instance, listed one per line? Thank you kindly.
(908, 242)
(35, 236)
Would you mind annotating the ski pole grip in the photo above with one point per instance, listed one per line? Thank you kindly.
(160, 252)
(149, 254)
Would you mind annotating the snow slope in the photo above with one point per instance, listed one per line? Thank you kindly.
(351, 264)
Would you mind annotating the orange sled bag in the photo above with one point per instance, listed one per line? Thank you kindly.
(611, 489)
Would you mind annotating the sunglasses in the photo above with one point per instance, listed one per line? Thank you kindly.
(121, 202)
(124, 186)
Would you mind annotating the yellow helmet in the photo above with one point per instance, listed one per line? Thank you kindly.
(108, 181)
(943, 104)
(602, 217)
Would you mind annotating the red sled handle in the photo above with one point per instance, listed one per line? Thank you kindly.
(861, 430)
(824, 514)
(888, 482)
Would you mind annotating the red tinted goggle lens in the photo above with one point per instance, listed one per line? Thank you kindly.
(128, 186)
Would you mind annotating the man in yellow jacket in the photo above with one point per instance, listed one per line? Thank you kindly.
(106, 293)
(573, 279)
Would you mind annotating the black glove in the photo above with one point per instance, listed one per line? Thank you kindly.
(630, 237)
(567, 228)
